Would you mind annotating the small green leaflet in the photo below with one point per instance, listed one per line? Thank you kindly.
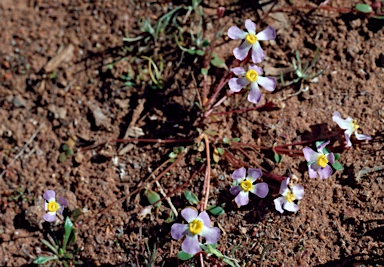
(184, 256)
(191, 197)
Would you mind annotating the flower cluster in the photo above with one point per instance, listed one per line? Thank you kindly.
(253, 75)
(52, 206)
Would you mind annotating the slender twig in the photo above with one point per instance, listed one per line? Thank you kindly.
(207, 176)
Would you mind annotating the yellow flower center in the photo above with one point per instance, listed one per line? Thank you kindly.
(195, 227)
(322, 161)
(53, 206)
(246, 185)
(251, 75)
(290, 197)
(251, 38)
(355, 126)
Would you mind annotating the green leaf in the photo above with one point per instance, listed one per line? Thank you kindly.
(44, 259)
(204, 71)
(205, 43)
(236, 139)
(326, 150)
(364, 8)
(216, 210)
(62, 157)
(64, 147)
(278, 158)
(153, 197)
(191, 197)
(337, 166)
(184, 256)
(69, 152)
(218, 62)
(226, 141)
(337, 156)
(68, 227)
(199, 52)
(76, 214)
(220, 150)
(214, 251)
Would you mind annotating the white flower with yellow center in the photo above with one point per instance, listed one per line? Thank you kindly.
(289, 195)
(254, 78)
(350, 126)
(52, 207)
(245, 184)
(198, 225)
(251, 40)
(318, 161)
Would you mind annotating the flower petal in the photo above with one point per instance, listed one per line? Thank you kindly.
(255, 94)
(254, 174)
(179, 230)
(211, 235)
(310, 154)
(50, 216)
(189, 214)
(268, 33)
(298, 191)
(238, 71)
(261, 190)
(312, 173)
(49, 195)
(290, 206)
(362, 136)
(258, 53)
(241, 52)
(235, 33)
(257, 69)
(268, 83)
(321, 147)
(239, 174)
(250, 26)
(284, 186)
(331, 158)
(204, 217)
(235, 190)
(325, 172)
(191, 245)
(63, 202)
(279, 202)
(343, 124)
(236, 84)
(242, 198)
(347, 135)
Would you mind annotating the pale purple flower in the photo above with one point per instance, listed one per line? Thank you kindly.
(318, 161)
(350, 126)
(252, 76)
(251, 40)
(245, 184)
(52, 207)
(198, 225)
(289, 195)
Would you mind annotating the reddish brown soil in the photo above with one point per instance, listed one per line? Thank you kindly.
(340, 221)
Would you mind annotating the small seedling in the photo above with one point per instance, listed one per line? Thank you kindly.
(59, 250)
